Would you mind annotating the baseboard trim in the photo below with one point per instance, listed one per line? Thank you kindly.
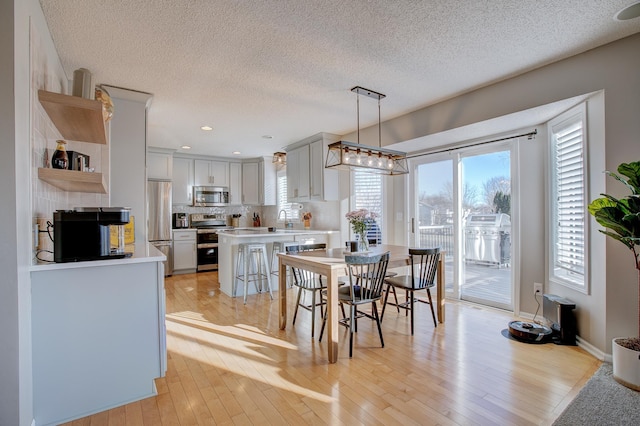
(593, 350)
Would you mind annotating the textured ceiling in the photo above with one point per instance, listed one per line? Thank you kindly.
(284, 67)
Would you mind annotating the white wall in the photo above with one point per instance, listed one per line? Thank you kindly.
(48, 74)
(16, 406)
(9, 305)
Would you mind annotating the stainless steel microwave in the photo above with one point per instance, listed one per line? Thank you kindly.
(210, 196)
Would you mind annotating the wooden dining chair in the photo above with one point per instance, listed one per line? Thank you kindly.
(424, 264)
(366, 282)
(308, 282)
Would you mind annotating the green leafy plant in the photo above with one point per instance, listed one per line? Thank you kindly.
(621, 218)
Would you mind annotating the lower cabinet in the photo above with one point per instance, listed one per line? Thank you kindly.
(98, 336)
(185, 253)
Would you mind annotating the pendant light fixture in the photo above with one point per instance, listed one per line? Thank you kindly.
(345, 155)
(280, 158)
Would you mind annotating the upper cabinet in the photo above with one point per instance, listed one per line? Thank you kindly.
(159, 163)
(76, 119)
(307, 179)
(211, 173)
(298, 174)
(182, 180)
(251, 183)
(235, 183)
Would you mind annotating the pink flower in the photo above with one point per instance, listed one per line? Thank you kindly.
(359, 218)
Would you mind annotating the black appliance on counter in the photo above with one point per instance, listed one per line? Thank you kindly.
(83, 233)
(208, 226)
(180, 220)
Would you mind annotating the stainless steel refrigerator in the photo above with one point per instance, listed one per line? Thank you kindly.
(159, 208)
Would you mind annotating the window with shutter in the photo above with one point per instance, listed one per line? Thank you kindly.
(567, 198)
(367, 190)
(292, 214)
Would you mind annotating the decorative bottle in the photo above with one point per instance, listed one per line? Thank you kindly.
(60, 159)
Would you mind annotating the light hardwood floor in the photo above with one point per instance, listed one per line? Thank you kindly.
(230, 364)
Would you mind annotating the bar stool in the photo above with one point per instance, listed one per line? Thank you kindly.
(281, 247)
(255, 255)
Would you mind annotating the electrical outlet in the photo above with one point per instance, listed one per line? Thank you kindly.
(36, 235)
(537, 289)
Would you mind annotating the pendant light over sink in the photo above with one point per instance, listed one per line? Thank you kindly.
(345, 155)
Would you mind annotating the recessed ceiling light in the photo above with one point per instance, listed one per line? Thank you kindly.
(630, 12)
(267, 137)
(185, 147)
(236, 153)
(207, 128)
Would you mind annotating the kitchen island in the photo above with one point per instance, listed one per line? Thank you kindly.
(98, 334)
(228, 241)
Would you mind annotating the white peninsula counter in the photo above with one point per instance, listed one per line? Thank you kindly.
(98, 334)
(228, 250)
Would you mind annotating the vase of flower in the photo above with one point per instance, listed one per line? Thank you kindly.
(359, 219)
(363, 242)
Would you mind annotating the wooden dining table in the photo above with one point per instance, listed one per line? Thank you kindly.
(331, 264)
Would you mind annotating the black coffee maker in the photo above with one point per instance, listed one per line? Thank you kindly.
(83, 233)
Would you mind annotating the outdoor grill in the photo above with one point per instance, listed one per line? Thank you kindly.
(488, 238)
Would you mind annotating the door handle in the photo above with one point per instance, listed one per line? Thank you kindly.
(413, 225)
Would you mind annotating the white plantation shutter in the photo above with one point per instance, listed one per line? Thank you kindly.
(568, 198)
(292, 214)
(367, 189)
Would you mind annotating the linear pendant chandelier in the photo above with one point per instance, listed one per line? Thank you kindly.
(345, 155)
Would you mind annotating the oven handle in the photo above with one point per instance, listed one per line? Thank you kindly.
(207, 245)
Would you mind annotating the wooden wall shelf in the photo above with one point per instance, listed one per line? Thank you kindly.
(73, 180)
(76, 118)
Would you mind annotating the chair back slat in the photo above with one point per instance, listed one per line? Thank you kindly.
(424, 265)
(366, 276)
(302, 277)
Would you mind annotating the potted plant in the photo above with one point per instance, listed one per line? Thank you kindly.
(621, 217)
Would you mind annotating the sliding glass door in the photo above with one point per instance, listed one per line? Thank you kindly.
(435, 211)
(462, 204)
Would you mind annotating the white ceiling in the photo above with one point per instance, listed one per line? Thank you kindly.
(284, 68)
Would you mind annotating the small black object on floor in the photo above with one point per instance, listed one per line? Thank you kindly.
(530, 332)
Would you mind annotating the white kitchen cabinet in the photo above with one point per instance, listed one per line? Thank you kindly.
(235, 183)
(259, 182)
(185, 252)
(159, 163)
(211, 173)
(251, 183)
(307, 179)
(298, 174)
(182, 180)
(98, 331)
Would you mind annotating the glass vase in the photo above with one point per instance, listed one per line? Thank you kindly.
(363, 242)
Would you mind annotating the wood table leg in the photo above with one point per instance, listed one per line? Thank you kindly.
(282, 293)
(332, 316)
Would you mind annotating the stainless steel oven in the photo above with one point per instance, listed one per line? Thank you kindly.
(207, 250)
(208, 226)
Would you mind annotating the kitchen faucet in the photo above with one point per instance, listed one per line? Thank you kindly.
(287, 224)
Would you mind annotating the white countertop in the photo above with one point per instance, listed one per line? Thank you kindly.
(264, 232)
(142, 252)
